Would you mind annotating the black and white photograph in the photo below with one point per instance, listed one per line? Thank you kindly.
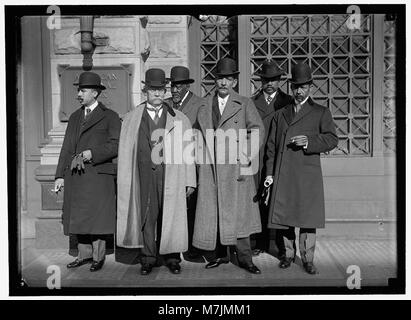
(205, 149)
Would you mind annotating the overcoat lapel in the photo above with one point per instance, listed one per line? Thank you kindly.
(305, 109)
(96, 116)
(288, 113)
(184, 107)
(233, 105)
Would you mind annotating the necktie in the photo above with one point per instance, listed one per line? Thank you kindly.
(269, 99)
(156, 113)
(222, 106)
(88, 110)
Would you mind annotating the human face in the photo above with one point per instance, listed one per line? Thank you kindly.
(300, 91)
(270, 85)
(178, 91)
(86, 96)
(225, 85)
(155, 96)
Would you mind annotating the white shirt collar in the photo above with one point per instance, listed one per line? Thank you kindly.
(272, 95)
(223, 100)
(185, 96)
(304, 101)
(92, 107)
(153, 113)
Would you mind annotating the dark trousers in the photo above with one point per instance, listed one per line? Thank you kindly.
(191, 214)
(91, 246)
(285, 240)
(262, 239)
(243, 249)
(153, 222)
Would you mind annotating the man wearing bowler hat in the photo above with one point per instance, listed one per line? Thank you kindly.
(226, 215)
(299, 132)
(268, 99)
(87, 173)
(152, 186)
(188, 103)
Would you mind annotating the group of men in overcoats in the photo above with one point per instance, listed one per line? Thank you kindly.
(206, 210)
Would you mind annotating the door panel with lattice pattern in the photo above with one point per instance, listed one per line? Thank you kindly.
(341, 61)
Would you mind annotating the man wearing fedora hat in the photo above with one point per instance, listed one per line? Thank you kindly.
(188, 103)
(298, 134)
(86, 171)
(268, 99)
(226, 214)
(151, 206)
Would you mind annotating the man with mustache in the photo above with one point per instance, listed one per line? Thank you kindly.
(188, 103)
(152, 186)
(268, 99)
(299, 132)
(226, 214)
(86, 171)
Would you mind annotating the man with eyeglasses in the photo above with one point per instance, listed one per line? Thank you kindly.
(152, 188)
(299, 132)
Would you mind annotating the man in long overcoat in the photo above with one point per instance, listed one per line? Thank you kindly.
(299, 133)
(268, 99)
(153, 179)
(188, 103)
(86, 170)
(226, 214)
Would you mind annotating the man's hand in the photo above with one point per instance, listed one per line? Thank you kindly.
(87, 155)
(300, 141)
(58, 185)
(189, 191)
(77, 164)
(268, 181)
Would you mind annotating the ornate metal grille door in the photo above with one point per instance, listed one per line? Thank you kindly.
(341, 61)
(389, 87)
(218, 40)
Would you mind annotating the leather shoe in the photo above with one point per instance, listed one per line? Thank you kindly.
(193, 257)
(77, 263)
(216, 263)
(285, 262)
(251, 268)
(146, 269)
(310, 267)
(174, 267)
(257, 251)
(97, 265)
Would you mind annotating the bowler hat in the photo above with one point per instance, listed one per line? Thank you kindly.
(301, 74)
(270, 70)
(155, 78)
(226, 67)
(180, 74)
(89, 79)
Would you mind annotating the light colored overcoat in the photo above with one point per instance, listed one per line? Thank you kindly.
(178, 175)
(225, 192)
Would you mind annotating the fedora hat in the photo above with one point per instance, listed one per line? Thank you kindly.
(89, 79)
(226, 67)
(180, 74)
(301, 74)
(155, 78)
(270, 70)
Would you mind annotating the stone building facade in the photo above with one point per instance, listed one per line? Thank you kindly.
(354, 76)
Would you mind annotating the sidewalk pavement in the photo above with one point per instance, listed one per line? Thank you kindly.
(376, 260)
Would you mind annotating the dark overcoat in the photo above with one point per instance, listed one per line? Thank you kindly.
(190, 106)
(297, 196)
(89, 198)
(266, 112)
(225, 192)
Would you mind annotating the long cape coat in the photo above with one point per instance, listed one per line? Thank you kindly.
(297, 196)
(225, 192)
(178, 175)
(266, 112)
(89, 198)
